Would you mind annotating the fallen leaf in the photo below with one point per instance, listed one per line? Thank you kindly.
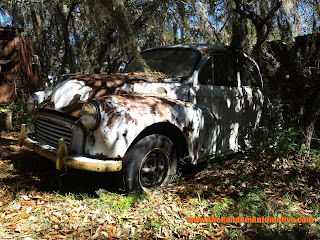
(28, 210)
(32, 218)
(218, 234)
(159, 214)
(26, 198)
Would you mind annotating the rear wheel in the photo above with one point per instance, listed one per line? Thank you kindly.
(150, 163)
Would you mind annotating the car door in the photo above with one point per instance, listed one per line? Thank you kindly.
(253, 96)
(218, 90)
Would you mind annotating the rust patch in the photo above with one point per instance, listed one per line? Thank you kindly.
(101, 156)
(188, 129)
(195, 146)
(154, 76)
(127, 117)
(74, 107)
(113, 119)
(48, 105)
(140, 104)
(6, 91)
(161, 90)
(177, 119)
(207, 50)
(129, 104)
(110, 81)
(105, 84)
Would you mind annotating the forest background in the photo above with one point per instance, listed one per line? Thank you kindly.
(72, 36)
(278, 177)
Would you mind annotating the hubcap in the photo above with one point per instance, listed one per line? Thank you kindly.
(154, 168)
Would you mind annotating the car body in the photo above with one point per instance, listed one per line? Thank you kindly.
(197, 102)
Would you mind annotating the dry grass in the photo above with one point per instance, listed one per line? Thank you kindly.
(37, 202)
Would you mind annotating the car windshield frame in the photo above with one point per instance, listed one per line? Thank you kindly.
(185, 59)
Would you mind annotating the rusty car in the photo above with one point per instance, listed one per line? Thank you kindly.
(196, 102)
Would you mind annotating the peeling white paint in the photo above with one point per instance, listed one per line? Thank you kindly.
(67, 90)
(42, 95)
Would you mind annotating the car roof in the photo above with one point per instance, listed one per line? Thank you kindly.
(204, 49)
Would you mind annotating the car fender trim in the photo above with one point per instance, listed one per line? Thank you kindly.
(62, 159)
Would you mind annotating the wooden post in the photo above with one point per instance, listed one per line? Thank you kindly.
(5, 121)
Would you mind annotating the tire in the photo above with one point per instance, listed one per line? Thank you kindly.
(149, 164)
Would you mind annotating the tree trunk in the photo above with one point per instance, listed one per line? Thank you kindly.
(309, 133)
(309, 129)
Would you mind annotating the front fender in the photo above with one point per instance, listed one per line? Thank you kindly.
(124, 117)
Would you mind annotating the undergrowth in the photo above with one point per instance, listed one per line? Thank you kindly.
(20, 114)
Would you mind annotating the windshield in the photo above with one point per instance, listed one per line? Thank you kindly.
(173, 62)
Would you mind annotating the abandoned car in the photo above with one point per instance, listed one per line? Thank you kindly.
(197, 101)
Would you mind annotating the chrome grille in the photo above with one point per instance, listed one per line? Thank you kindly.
(49, 132)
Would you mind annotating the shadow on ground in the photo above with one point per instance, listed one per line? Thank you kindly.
(24, 169)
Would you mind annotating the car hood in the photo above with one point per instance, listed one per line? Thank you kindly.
(69, 95)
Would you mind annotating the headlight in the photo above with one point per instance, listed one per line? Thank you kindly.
(32, 102)
(90, 115)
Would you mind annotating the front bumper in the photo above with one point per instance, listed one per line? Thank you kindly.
(62, 159)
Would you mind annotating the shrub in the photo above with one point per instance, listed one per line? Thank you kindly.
(275, 140)
(20, 114)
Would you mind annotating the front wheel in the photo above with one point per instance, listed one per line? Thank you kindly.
(150, 163)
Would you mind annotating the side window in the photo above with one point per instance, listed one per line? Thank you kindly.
(225, 70)
(205, 74)
(249, 73)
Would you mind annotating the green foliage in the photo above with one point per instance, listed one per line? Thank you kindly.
(118, 202)
(20, 114)
(222, 208)
(81, 36)
(275, 140)
(253, 203)
(154, 224)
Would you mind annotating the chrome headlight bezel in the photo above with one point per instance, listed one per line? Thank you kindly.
(90, 115)
(32, 102)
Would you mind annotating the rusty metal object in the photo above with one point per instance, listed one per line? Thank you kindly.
(16, 57)
(61, 154)
(207, 118)
(22, 135)
(5, 121)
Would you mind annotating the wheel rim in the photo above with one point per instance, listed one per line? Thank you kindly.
(154, 168)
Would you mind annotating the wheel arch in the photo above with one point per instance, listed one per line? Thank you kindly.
(171, 132)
